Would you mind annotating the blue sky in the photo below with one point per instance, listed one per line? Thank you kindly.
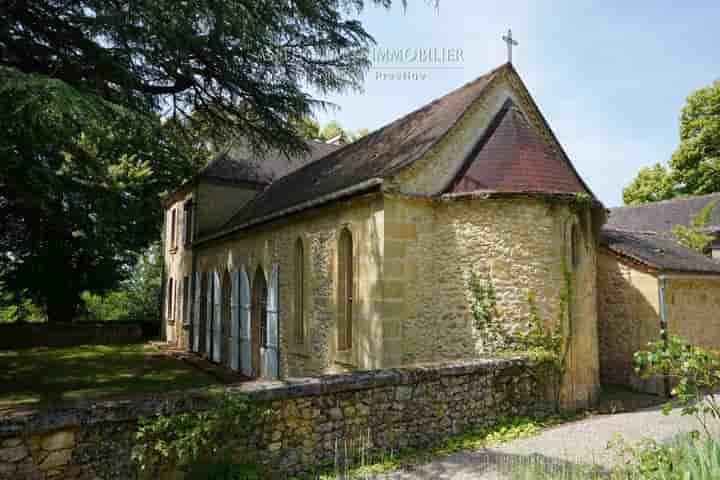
(610, 77)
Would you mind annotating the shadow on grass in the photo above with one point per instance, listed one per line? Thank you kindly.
(48, 376)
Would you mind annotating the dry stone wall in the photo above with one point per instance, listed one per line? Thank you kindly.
(311, 420)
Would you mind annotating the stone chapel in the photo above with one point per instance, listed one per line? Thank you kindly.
(360, 256)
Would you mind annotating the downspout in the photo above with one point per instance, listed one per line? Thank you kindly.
(662, 284)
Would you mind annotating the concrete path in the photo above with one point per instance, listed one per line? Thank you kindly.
(579, 443)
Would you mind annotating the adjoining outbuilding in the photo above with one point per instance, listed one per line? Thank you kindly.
(647, 282)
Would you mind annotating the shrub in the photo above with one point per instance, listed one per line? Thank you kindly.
(694, 371)
(197, 442)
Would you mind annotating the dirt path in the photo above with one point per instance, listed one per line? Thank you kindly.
(581, 442)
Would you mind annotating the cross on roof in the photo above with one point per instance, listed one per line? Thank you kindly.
(510, 43)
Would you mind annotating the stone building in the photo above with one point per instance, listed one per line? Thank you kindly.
(648, 282)
(360, 257)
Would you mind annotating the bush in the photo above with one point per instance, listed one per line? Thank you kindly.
(694, 371)
(197, 442)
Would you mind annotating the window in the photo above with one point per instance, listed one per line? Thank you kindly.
(173, 240)
(188, 222)
(575, 246)
(170, 299)
(178, 300)
(345, 290)
(299, 292)
(186, 300)
(259, 314)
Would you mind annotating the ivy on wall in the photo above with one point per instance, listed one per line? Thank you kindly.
(546, 341)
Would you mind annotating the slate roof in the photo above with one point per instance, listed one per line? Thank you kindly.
(661, 217)
(657, 252)
(513, 157)
(393, 147)
(239, 164)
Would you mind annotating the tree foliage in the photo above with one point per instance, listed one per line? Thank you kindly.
(247, 64)
(692, 237)
(84, 85)
(80, 183)
(694, 168)
(693, 371)
(136, 298)
(652, 184)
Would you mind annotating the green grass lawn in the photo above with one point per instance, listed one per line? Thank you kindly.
(48, 376)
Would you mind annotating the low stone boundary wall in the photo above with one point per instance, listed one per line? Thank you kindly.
(385, 409)
(28, 335)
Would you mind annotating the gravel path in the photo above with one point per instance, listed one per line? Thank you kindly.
(581, 442)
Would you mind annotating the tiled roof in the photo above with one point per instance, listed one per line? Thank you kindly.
(661, 217)
(239, 164)
(402, 142)
(374, 156)
(657, 252)
(513, 157)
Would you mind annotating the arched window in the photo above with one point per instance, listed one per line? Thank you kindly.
(299, 292)
(575, 246)
(345, 290)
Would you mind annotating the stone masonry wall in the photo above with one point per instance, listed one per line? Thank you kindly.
(519, 244)
(692, 310)
(311, 418)
(628, 319)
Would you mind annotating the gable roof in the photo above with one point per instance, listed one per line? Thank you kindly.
(364, 164)
(661, 217)
(513, 157)
(657, 252)
(239, 164)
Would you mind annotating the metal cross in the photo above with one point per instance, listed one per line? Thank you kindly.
(510, 43)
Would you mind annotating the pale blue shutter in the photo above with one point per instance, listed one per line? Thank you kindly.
(209, 314)
(235, 321)
(196, 312)
(245, 353)
(217, 318)
(271, 349)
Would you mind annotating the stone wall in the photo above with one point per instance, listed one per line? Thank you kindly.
(520, 245)
(20, 335)
(692, 310)
(312, 420)
(628, 318)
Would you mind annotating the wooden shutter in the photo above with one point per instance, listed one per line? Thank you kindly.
(245, 352)
(217, 318)
(271, 348)
(196, 313)
(235, 320)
